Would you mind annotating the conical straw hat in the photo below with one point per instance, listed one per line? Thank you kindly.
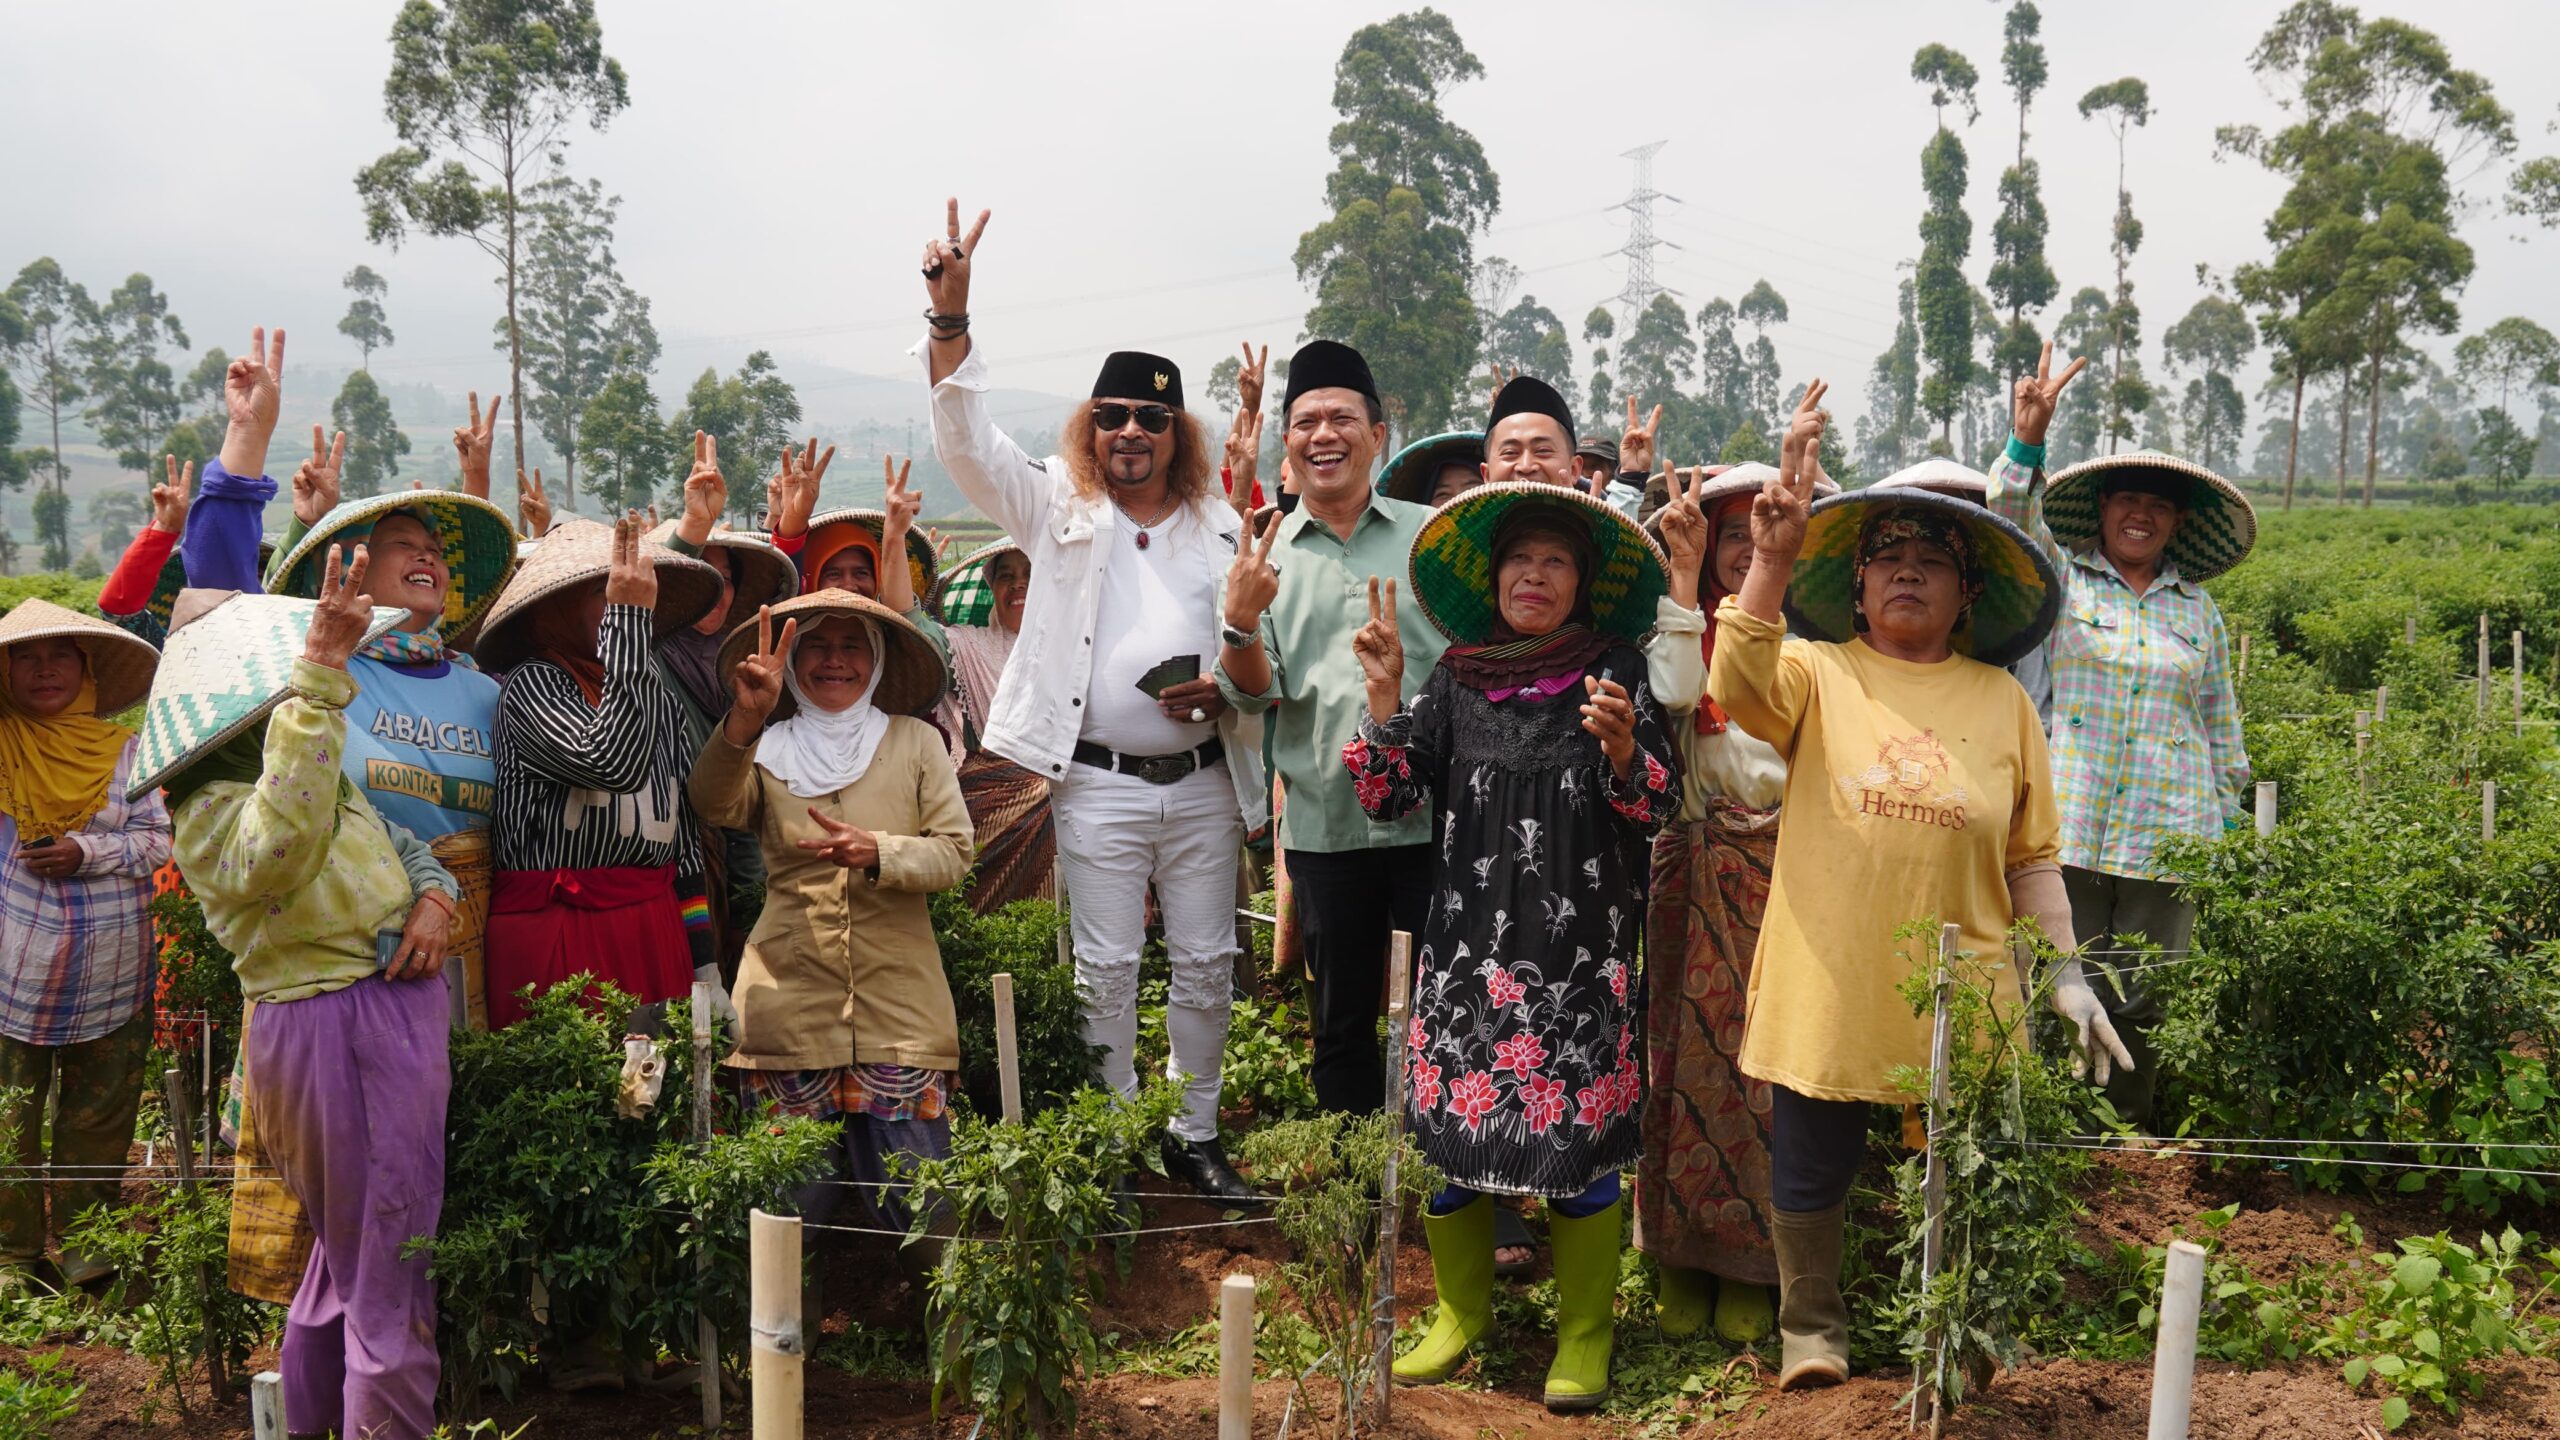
(766, 576)
(223, 671)
(2020, 593)
(922, 563)
(967, 598)
(911, 674)
(479, 548)
(2217, 531)
(121, 663)
(1452, 561)
(578, 551)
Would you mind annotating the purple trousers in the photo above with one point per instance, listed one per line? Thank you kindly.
(349, 1092)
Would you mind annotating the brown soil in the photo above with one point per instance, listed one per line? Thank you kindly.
(1172, 1288)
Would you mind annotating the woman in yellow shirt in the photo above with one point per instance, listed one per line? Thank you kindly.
(1916, 786)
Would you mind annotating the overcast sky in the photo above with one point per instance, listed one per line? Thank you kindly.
(1151, 166)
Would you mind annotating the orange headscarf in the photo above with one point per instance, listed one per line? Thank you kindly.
(827, 542)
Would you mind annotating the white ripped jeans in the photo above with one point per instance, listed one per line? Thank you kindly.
(1115, 834)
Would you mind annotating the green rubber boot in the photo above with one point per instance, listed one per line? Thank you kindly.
(1813, 1321)
(1745, 1313)
(1681, 1300)
(1462, 1270)
(1586, 1252)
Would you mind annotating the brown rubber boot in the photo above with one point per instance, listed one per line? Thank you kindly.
(1813, 1321)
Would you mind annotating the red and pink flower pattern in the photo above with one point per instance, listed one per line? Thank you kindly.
(1472, 1098)
(1521, 1054)
(1425, 1086)
(1541, 1102)
(1500, 987)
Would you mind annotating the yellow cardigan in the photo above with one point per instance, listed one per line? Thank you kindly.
(842, 968)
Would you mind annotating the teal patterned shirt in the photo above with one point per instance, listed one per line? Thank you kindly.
(2145, 725)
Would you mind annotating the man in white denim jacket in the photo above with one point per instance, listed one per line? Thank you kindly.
(1149, 780)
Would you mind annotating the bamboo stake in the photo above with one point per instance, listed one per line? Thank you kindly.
(1390, 1209)
(2515, 642)
(706, 1336)
(2173, 1359)
(2381, 703)
(1008, 1052)
(217, 1374)
(2488, 811)
(266, 1406)
(773, 1323)
(2266, 808)
(2409, 628)
(1235, 1358)
(2244, 654)
(2364, 736)
(2483, 668)
(1933, 1243)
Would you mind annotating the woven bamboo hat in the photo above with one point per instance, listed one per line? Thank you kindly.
(765, 576)
(574, 553)
(223, 670)
(911, 674)
(2216, 532)
(479, 548)
(1416, 468)
(1940, 476)
(120, 663)
(967, 597)
(2020, 594)
(1452, 560)
(922, 564)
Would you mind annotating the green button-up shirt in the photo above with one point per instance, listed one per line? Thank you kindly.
(1316, 681)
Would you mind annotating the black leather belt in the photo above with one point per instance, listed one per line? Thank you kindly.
(1154, 769)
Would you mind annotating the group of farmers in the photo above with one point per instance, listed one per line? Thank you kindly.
(1652, 763)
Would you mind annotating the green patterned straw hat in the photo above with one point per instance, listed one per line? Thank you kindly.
(967, 598)
(1452, 563)
(221, 673)
(923, 566)
(2214, 534)
(1416, 468)
(2020, 596)
(479, 548)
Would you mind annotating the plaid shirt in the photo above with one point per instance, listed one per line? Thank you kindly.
(77, 957)
(2145, 725)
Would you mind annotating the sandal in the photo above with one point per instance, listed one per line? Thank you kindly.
(1510, 1232)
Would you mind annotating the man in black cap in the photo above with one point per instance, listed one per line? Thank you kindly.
(1287, 641)
(1153, 776)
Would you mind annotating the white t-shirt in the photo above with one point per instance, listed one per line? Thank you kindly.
(1157, 603)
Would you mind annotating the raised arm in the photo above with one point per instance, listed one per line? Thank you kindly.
(2017, 476)
(1248, 673)
(224, 521)
(993, 472)
(545, 718)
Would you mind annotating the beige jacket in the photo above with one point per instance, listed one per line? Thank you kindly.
(842, 968)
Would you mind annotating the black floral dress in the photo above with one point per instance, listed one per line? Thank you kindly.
(1525, 1055)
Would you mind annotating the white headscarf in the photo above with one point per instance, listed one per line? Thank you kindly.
(818, 752)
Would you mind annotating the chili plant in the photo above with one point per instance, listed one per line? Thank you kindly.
(38, 1397)
(178, 1243)
(1048, 1020)
(1026, 1206)
(2439, 1308)
(1330, 1171)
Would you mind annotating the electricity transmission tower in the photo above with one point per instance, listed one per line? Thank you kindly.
(1641, 287)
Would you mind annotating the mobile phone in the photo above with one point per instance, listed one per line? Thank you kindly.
(38, 844)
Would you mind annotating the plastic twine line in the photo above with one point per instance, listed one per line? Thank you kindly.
(2173, 1153)
(2176, 1140)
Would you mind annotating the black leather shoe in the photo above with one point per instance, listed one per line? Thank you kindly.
(1202, 1165)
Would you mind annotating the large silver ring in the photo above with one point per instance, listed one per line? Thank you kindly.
(1198, 714)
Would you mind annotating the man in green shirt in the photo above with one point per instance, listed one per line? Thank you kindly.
(1286, 643)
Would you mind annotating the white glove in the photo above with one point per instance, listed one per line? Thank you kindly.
(728, 1013)
(2073, 1000)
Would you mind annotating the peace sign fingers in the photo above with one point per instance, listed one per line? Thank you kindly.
(816, 464)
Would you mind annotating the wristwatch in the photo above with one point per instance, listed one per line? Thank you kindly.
(1240, 639)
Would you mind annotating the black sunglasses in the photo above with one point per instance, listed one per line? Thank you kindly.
(1154, 419)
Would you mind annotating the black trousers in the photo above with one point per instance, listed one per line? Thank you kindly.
(1348, 901)
(1815, 1148)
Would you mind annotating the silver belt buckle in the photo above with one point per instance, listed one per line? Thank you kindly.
(1165, 769)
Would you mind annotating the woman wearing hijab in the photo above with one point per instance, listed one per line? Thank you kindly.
(338, 920)
(1916, 786)
(76, 950)
(752, 574)
(1008, 803)
(593, 829)
(1702, 1186)
(1548, 765)
(843, 1009)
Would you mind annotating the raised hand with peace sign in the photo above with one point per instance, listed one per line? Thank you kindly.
(1635, 444)
(898, 508)
(343, 614)
(169, 502)
(632, 578)
(533, 508)
(2032, 402)
(252, 394)
(706, 494)
(1379, 647)
(472, 443)
(792, 495)
(1782, 508)
(1253, 582)
(756, 685)
(1249, 378)
(1685, 536)
(315, 481)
